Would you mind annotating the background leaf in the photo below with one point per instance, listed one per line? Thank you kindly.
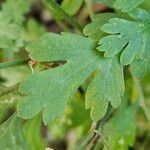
(32, 131)
(71, 6)
(12, 17)
(11, 134)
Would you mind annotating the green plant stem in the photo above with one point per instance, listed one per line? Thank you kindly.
(93, 136)
(14, 63)
(57, 18)
(61, 25)
(64, 15)
(9, 89)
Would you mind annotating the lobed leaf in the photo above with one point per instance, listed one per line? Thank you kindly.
(93, 30)
(52, 89)
(103, 89)
(127, 37)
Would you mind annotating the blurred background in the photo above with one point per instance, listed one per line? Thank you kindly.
(32, 19)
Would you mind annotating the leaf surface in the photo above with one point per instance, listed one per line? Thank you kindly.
(123, 5)
(127, 5)
(11, 136)
(52, 89)
(126, 37)
(93, 30)
(107, 82)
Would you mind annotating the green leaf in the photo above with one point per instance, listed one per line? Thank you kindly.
(32, 131)
(93, 30)
(15, 10)
(12, 16)
(123, 5)
(32, 31)
(139, 68)
(120, 131)
(8, 39)
(62, 82)
(127, 5)
(11, 134)
(140, 14)
(146, 55)
(101, 91)
(71, 7)
(127, 37)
